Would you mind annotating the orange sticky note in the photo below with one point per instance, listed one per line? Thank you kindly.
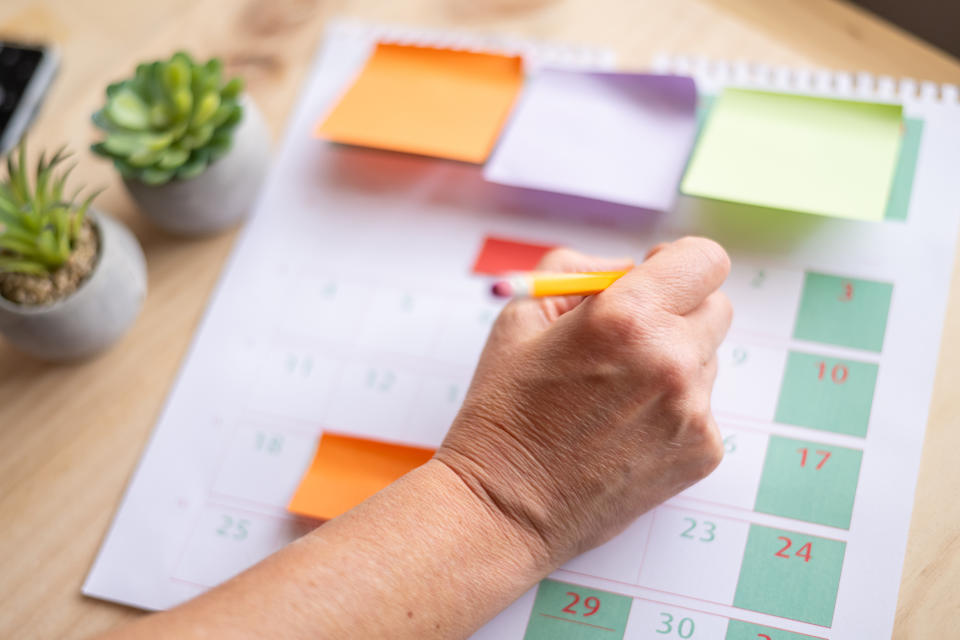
(346, 471)
(432, 102)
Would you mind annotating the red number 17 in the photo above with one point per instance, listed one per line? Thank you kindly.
(803, 457)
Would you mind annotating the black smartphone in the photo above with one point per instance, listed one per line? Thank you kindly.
(26, 72)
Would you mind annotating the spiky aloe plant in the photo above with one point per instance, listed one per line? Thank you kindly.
(39, 227)
(170, 120)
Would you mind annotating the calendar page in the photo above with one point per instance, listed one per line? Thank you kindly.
(350, 305)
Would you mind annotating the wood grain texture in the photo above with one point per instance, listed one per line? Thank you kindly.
(71, 435)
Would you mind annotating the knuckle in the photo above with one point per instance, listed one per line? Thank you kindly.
(510, 316)
(676, 370)
(614, 321)
(713, 255)
(707, 442)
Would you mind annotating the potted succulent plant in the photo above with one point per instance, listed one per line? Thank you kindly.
(72, 280)
(192, 149)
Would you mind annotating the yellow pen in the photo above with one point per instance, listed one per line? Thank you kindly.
(538, 284)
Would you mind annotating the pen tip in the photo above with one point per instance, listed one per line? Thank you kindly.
(502, 289)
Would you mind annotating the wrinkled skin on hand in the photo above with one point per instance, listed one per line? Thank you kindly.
(584, 413)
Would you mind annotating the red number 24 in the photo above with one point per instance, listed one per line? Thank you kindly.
(804, 551)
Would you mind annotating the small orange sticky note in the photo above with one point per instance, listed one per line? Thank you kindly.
(346, 471)
(433, 102)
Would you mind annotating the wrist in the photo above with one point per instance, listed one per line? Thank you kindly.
(512, 525)
(521, 548)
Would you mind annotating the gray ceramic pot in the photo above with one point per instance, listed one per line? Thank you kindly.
(94, 316)
(222, 195)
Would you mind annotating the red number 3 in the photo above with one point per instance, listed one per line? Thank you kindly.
(847, 295)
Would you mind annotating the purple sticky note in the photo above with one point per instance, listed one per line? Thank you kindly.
(619, 137)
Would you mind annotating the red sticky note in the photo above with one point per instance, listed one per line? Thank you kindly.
(498, 256)
(347, 470)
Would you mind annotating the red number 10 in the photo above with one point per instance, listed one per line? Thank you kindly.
(838, 374)
(592, 603)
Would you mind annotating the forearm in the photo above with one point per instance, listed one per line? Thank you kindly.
(423, 558)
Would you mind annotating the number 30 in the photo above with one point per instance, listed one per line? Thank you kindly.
(684, 628)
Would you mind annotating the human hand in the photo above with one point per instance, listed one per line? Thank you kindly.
(584, 413)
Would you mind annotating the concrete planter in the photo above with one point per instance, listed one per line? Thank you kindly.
(222, 195)
(94, 316)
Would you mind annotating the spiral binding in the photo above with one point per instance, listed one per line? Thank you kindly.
(712, 74)
(534, 53)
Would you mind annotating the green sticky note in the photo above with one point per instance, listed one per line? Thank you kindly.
(800, 153)
(843, 311)
(830, 394)
(809, 481)
(740, 630)
(790, 574)
(569, 611)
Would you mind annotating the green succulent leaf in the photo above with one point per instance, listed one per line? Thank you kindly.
(205, 109)
(128, 110)
(182, 104)
(176, 75)
(121, 144)
(126, 169)
(154, 176)
(113, 88)
(100, 148)
(199, 137)
(143, 157)
(101, 121)
(20, 246)
(185, 57)
(233, 119)
(160, 116)
(194, 167)
(10, 264)
(219, 145)
(172, 158)
(233, 89)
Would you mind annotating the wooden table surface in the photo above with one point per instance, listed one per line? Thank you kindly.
(70, 435)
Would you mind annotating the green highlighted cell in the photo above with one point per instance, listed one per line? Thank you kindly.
(809, 481)
(789, 574)
(844, 311)
(899, 203)
(829, 394)
(572, 612)
(740, 630)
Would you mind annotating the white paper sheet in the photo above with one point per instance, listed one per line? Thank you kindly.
(348, 304)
